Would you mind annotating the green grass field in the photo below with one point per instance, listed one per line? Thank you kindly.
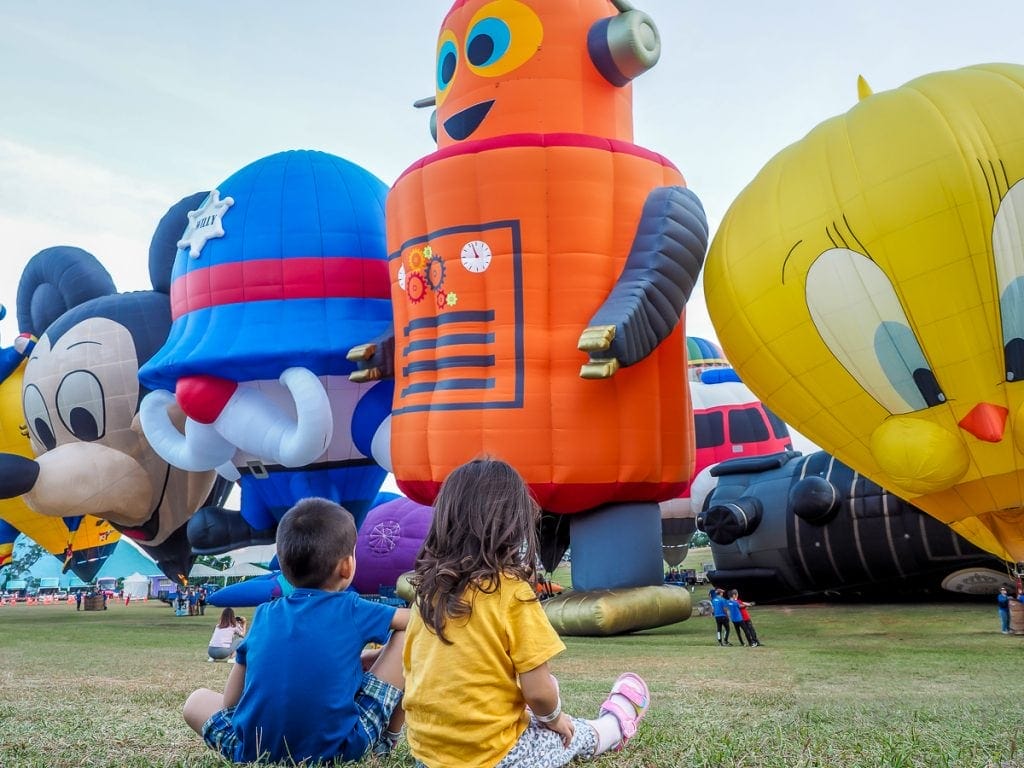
(921, 685)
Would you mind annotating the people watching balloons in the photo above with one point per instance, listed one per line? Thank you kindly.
(479, 690)
(226, 637)
(1003, 604)
(299, 692)
(747, 624)
(719, 609)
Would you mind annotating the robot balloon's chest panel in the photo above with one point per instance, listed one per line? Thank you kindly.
(459, 318)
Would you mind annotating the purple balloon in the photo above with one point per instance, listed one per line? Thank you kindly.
(389, 539)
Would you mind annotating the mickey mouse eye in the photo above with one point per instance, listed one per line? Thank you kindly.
(859, 317)
(38, 417)
(80, 405)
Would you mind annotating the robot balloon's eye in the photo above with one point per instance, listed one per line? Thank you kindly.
(488, 41)
(447, 59)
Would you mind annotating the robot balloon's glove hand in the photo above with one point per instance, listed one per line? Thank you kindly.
(598, 338)
(374, 360)
(364, 375)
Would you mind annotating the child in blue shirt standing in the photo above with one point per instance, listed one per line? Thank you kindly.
(721, 619)
(297, 691)
(732, 605)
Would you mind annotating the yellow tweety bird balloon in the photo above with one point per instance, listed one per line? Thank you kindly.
(868, 285)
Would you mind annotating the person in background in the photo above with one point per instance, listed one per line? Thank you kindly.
(78, 600)
(227, 636)
(718, 608)
(1003, 604)
(732, 607)
(748, 625)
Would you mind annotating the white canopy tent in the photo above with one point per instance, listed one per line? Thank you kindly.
(243, 569)
(136, 585)
(200, 571)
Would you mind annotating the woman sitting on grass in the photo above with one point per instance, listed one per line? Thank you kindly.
(227, 636)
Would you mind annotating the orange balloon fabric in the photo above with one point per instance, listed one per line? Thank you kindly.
(503, 244)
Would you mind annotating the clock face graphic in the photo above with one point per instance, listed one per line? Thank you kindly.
(476, 255)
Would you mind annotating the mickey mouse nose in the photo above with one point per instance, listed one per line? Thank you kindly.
(986, 422)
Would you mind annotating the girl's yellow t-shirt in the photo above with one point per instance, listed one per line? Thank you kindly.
(463, 705)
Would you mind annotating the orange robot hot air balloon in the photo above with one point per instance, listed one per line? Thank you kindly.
(540, 263)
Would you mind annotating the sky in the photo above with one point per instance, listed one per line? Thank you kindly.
(112, 111)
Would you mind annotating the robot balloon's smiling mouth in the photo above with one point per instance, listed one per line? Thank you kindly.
(462, 124)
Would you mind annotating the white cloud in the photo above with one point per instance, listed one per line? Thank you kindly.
(56, 199)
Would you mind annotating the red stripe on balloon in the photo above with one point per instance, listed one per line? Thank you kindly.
(342, 277)
(545, 140)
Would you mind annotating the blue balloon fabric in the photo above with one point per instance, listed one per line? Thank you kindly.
(298, 277)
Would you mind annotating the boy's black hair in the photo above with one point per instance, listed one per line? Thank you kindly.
(311, 538)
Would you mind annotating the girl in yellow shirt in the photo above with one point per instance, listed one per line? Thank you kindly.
(478, 688)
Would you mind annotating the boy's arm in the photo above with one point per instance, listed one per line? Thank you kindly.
(234, 685)
(400, 620)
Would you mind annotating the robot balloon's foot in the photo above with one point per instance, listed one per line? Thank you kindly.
(616, 611)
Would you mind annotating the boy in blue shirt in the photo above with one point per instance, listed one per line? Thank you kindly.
(721, 620)
(297, 691)
(732, 605)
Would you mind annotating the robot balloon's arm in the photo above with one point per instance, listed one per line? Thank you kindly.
(375, 359)
(647, 301)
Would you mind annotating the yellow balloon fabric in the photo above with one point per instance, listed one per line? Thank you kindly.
(51, 533)
(868, 285)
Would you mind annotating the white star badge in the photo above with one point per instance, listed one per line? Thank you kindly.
(205, 223)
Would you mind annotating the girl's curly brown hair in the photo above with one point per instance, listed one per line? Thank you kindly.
(484, 526)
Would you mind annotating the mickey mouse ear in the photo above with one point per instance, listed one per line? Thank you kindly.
(163, 247)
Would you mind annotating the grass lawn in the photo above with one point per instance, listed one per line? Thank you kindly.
(920, 685)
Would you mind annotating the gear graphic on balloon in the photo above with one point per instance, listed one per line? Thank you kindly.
(417, 259)
(416, 287)
(442, 300)
(435, 272)
(384, 537)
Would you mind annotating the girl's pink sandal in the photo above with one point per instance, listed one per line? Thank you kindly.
(633, 688)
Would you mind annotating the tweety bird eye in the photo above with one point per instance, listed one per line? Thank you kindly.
(859, 317)
(1008, 249)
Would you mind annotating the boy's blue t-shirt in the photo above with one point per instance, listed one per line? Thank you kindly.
(302, 673)
(718, 605)
(734, 610)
